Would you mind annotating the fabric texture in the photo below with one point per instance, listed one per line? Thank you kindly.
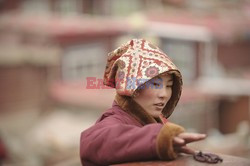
(136, 62)
(118, 137)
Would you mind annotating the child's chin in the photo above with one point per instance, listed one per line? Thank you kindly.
(156, 115)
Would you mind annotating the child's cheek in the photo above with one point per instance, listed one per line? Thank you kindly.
(149, 94)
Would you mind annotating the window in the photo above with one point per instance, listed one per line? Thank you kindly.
(35, 6)
(69, 7)
(125, 7)
(183, 54)
(81, 61)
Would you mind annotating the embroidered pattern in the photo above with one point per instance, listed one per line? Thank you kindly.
(138, 59)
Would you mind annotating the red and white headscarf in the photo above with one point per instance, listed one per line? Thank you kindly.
(136, 62)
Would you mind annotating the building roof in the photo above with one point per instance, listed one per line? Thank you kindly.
(58, 27)
(221, 26)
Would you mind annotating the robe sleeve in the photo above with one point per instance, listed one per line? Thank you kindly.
(112, 141)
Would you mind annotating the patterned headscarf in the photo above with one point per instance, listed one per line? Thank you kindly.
(136, 62)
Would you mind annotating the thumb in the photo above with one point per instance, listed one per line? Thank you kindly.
(178, 141)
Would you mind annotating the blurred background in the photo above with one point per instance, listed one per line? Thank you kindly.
(48, 49)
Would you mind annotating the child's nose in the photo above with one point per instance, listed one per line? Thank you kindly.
(163, 93)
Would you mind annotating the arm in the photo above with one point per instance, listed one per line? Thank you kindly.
(111, 141)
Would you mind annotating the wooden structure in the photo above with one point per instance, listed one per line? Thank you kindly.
(189, 161)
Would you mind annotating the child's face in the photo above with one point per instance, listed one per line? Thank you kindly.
(154, 96)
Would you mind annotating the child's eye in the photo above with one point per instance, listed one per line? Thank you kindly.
(156, 84)
(169, 86)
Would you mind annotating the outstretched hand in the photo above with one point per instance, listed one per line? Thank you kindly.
(180, 141)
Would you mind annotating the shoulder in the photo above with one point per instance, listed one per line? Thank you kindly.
(117, 115)
(113, 117)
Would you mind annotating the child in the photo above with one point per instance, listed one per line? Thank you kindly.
(148, 87)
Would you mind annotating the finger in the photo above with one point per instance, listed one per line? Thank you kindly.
(187, 150)
(187, 135)
(191, 137)
(178, 141)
